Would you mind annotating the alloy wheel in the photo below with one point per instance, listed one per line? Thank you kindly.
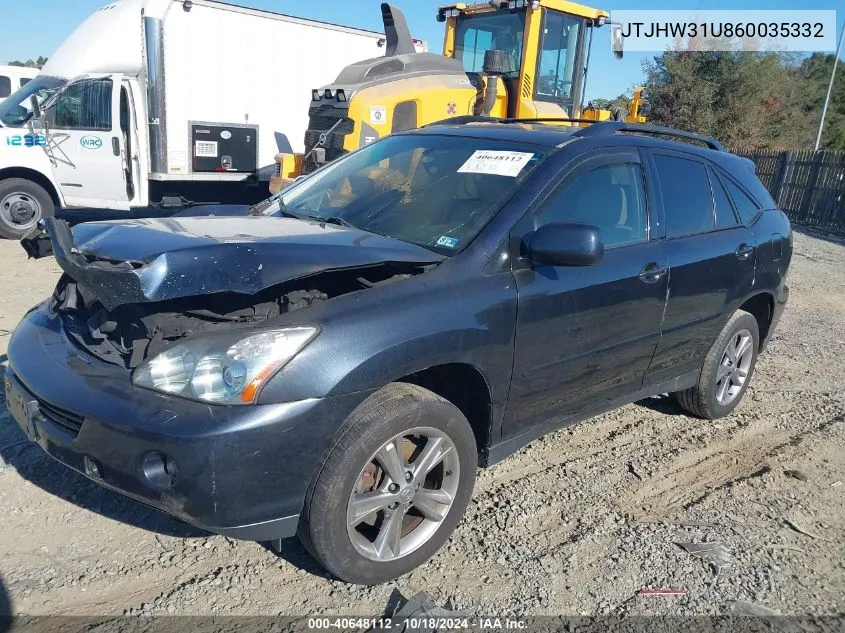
(403, 494)
(734, 368)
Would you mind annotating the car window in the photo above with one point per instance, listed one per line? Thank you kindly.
(611, 197)
(746, 206)
(435, 191)
(725, 216)
(686, 195)
(5, 86)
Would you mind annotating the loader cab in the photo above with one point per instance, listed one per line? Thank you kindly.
(544, 44)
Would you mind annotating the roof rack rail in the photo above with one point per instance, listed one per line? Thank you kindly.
(611, 127)
(470, 118)
(596, 128)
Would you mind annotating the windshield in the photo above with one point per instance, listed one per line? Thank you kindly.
(434, 191)
(480, 33)
(16, 110)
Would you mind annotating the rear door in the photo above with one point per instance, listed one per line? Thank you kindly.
(711, 261)
(86, 145)
(586, 335)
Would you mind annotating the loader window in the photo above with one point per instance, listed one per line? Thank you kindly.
(477, 34)
(558, 63)
(5, 86)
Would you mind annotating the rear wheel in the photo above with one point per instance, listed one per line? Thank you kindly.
(726, 371)
(394, 487)
(22, 204)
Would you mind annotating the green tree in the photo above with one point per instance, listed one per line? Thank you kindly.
(748, 100)
(38, 63)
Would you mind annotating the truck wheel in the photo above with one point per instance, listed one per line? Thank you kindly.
(394, 488)
(727, 369)
(22, 204)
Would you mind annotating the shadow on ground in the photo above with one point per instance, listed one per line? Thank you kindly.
(292, 551)
(5, 609)
(667, 405)
(34, 465)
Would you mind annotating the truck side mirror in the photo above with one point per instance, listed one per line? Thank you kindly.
(617, 42)
(36, 108)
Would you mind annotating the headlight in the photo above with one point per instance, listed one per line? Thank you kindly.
(227, 373)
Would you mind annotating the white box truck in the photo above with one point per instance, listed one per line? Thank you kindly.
(153, 100)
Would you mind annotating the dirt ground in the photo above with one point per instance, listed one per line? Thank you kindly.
(577, 523)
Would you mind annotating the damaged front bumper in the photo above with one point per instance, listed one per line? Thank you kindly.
(241, 471)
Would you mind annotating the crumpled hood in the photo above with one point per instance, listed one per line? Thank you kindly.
(133, 261)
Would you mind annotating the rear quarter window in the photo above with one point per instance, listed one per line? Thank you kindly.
(687, 199)
(745, 206)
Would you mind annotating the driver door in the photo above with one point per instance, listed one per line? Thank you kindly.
(86, 145)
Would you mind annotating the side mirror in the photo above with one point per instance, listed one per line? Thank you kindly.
(617, 41)
(566, 244)
(36, 108)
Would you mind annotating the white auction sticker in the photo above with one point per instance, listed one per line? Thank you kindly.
(498, 163)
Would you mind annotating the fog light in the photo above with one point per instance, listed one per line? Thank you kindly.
(92, 468)
(160, 470)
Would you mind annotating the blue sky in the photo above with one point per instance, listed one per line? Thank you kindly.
(23, 37)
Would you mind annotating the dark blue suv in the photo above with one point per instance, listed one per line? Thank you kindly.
(335, 362)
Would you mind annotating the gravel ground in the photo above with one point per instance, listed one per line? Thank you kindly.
(577, 523)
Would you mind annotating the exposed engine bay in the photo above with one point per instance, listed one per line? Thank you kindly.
(130, 333)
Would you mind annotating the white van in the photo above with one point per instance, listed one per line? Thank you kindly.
(14, 77)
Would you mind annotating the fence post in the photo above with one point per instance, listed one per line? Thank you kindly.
(779, 175)
(810, 188)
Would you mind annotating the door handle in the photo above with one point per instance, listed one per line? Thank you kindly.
(652, 273)
(743, 251)
(115, 145)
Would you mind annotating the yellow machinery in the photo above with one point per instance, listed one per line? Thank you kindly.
(517, 59)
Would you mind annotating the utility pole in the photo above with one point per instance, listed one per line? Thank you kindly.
(830, 88)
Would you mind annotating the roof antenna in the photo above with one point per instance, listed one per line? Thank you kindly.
(399, 40)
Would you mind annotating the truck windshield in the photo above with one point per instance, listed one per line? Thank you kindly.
(476, 34)
(16, 110)
(434, 191)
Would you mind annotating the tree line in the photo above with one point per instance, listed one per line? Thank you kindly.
(749, 101)
(37, 63)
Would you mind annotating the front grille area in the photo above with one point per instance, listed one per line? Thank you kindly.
(65, 420)
(321, 121)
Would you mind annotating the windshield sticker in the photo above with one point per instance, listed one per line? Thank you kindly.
(448, 242)
(498, 163)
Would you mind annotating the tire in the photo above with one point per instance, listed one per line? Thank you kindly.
(717, 392)
(22, 204)
(352, 553)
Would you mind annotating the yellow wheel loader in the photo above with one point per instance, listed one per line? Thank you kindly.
(517, 59)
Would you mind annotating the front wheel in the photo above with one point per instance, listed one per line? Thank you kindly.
(22, 204)
(394, 487)
(726, 371)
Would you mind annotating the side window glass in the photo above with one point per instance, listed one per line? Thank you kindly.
(746, 206)
(5, 86)
(24, 81)
(611, 197)
(556, 74)
(84, 106)
(725, 216)
(687, 199)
